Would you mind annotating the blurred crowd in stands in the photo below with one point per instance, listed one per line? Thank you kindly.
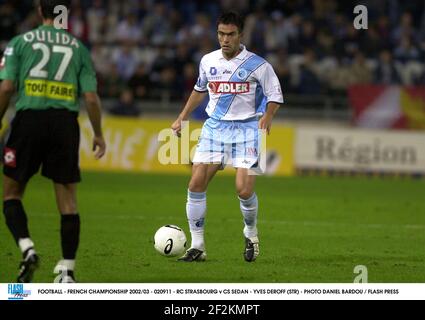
(151, 49)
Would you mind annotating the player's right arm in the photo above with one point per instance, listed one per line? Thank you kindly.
(9, 74)
(195, 99)
(7, 88)
(192, 103)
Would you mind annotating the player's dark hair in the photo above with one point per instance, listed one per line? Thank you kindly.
(48, 7)
(232, 18)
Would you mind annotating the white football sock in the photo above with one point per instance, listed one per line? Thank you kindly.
(196, 209)
(249, 210)
(25, 244)
(68, 264)
(64, 265)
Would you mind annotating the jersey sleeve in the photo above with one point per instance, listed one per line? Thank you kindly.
(87, 77)
(270, 83)
(201, 84)
(9, 63)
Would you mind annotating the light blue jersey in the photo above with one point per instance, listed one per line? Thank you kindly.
(239, 91)
(239, 88)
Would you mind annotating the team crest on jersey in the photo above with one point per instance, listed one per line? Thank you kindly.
(213, 71)
(241, 74)
(229, 87)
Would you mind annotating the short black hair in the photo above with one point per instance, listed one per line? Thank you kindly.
(48, 7)
(232, 18)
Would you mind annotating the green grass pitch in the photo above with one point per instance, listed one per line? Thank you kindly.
(312, 230)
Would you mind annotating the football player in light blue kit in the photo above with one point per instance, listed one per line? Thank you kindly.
(245, 94)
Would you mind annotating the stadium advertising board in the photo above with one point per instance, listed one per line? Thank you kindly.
(382, 107)
(362, 151)
(148, 145)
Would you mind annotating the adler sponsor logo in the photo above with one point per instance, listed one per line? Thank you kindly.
(229, 87)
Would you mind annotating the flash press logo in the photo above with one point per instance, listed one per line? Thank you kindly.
(17, 292)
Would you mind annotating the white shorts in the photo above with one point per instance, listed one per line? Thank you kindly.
(236, 143)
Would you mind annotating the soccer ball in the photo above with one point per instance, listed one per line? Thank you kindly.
(170, 241)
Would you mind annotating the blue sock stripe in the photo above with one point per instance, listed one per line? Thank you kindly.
(196, 195)
(249, 201)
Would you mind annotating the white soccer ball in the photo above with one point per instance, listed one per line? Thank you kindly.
(170, 241)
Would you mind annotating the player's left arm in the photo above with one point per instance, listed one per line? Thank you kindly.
(273, 93)
(266, 120)
(88, 87)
